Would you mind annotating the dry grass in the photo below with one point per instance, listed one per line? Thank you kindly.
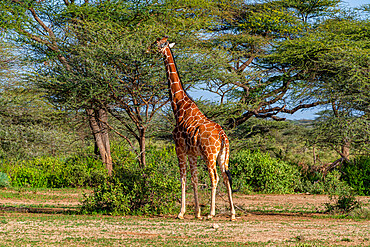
(264, 220)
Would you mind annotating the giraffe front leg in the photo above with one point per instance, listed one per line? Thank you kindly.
(194, 180)
(182, 166)
(183, 199)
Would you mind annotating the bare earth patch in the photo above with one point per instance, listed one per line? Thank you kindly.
(50, 197)
(264, 220)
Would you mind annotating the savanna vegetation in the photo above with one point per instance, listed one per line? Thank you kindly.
(84, 104)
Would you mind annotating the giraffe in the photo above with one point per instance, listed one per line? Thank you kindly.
(195, 135)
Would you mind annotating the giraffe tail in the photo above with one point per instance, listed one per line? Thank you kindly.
(228, 173)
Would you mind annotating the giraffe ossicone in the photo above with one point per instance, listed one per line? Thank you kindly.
(195, 135)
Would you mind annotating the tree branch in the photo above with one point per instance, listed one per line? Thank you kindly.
(270, 113)
(121, 135)
(303, 106)
(245, 64)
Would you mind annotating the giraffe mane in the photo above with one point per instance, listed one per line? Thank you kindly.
(182, 85)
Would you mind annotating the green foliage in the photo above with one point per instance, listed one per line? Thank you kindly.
(269, 136)
(343, 203)
(49, 172)
(316, 184)
(4, 180)
(360, 213)
(29, 125)
(256, 171)
(92, 55)
(254, 77)
(332, 60)
(134, 190)
(339, 131)
(334, 186)
(357, 174)
(312, 186)
(341, 195)
(272, 18)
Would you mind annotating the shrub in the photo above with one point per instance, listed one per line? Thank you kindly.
(133, 190)
(4, 180)
(343, 204)
(80, 171)
(360, 213)
(51, 172)
(256, 171)
(357, 174)
(332, 184)
(26, 174)
(340, 194)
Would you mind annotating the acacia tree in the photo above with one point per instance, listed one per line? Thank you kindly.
(332, 61)
(342, 75)
(85, 60)
(107, 56)
(247, 81)
(29, 125)
(128, 81)
(39, 28)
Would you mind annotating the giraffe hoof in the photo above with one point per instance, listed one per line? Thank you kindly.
(199, 217)
(180, 217)
(233, 218)
(209, 217)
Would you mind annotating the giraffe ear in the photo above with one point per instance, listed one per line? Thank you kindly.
(171, 45)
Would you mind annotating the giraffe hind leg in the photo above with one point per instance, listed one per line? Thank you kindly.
(223, 159)
(227, 181)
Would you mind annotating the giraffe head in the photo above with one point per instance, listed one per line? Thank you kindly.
(163, 43)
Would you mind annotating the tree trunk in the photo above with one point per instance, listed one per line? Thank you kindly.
(97, 120)
(345, 150)
(142, 146)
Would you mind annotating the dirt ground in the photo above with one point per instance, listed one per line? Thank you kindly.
(263, 220)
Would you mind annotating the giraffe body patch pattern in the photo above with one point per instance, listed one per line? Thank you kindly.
(195, 135)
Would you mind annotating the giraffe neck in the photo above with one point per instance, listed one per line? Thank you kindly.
(179, 98)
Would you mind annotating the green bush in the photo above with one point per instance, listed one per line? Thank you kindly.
(360, 213)
(51, 172)
(332, 184)
(4, 180)
(83, 171)
(29, 177)
(340, 194)
(354, 174)
(133, 190)
(312, 187)
(256, 171)
(357, 174)
(342, 204)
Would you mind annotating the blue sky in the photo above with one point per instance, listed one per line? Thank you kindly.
(356, 3)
